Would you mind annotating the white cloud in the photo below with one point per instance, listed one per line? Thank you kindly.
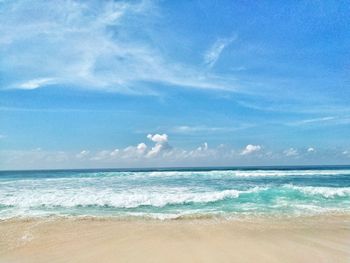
(249, 149)
(201, 152)
(159, 138)
(187, 129)
(323, 119)
(101, 155)
(83, 154)
(160, 154)
(161, 145)
(330, 120)
(205, 129)
(155, 150)
(140, 151)
(204, 147)
(291, 152)
(141, 148)
(94, 45)
(130, 152)
(214, 52)
(35, 83)
(114, 153)
(311, 149)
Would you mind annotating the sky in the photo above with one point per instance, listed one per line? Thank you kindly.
(112, 84)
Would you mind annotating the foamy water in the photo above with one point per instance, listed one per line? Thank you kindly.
(172, 194)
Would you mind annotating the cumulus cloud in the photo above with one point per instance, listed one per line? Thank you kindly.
(141, 148)
(311, 149)
(161, 145)
(249, 149)
(202, 152)
(159, 154)
(155, 150)
(159, 138)
(204, 147)
(214, 52)
(291, 152)
(131, 152)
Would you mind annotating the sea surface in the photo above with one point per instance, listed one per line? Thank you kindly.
(176, 193)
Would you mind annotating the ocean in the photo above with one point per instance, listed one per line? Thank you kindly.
(176, 193)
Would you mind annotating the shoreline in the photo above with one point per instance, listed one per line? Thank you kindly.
(198, 217)
(322, 238)
(221, 217)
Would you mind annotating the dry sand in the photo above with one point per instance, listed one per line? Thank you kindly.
(315, 239)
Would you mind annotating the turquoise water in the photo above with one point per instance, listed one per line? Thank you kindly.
(175, 193)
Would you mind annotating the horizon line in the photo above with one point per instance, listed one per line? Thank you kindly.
(186, 168)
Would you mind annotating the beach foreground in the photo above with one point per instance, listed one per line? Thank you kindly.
(309, 239)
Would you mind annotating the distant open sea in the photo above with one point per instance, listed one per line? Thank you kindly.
(176, 193)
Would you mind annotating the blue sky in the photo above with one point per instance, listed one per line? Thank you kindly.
(173, 83)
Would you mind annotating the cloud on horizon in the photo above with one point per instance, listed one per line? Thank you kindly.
(249, 149)
(161, 153)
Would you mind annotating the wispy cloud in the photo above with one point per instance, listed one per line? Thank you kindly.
(93, 45)
(35, 83)
(48, 110)
(208, 129)
(295, 107)
(322, 119)
(329, 120)
(214, 52)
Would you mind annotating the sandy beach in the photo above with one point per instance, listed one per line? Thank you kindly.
(312, 239)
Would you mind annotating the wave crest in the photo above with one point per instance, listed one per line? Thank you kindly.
(126, 199)
(327, 192)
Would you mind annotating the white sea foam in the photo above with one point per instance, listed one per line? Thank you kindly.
(172, 194)
(327, 192)
(107, 176)
(157, 197)
(246, 173)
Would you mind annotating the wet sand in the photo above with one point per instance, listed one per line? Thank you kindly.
(312, 239)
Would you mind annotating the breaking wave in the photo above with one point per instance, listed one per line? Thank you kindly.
(173, 194)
